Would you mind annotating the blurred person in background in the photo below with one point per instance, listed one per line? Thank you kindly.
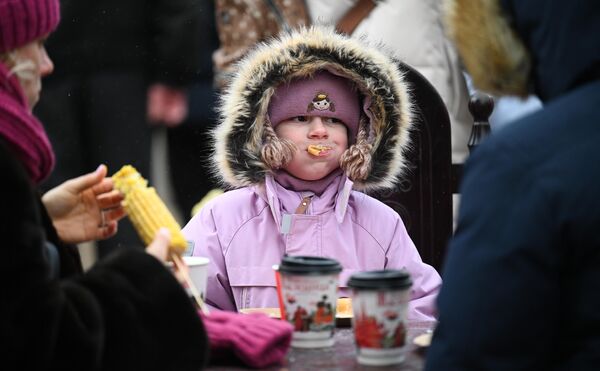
(120, 65)
(189, 143)
(242, 24)
(523, 269)
(128, 311)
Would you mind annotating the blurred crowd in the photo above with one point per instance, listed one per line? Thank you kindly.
(127, 71)
(119, 74)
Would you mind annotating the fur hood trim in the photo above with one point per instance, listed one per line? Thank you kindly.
(240, 134)
(490, 49)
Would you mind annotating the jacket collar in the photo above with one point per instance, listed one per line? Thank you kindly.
(282, 201)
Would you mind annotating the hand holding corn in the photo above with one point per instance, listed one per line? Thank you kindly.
(146, 210)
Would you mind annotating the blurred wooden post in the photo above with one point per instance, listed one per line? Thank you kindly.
(481, 106)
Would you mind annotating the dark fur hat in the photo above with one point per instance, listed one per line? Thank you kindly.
(245, 141)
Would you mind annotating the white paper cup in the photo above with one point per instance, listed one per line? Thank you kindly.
(198, 268)
(198, 272)
(307, 288)
(380, 309)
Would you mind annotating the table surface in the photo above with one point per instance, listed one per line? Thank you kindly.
(342, 356)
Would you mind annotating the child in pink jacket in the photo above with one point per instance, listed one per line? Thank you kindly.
(308, 121)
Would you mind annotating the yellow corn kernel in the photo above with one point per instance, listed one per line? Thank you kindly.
(146, 210)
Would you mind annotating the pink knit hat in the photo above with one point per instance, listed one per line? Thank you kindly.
(22, 21)
(323, 94)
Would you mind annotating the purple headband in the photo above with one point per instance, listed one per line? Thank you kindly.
(323, 94)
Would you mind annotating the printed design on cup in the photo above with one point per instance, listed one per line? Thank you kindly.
(310, 302)
(317, 318)
(379, 322)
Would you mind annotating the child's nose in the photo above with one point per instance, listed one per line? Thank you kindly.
(318, 130)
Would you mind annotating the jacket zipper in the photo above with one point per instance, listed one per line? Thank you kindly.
(304, 204)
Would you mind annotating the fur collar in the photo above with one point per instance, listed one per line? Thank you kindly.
(490, 49)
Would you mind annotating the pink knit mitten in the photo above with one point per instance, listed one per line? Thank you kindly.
(255, 339)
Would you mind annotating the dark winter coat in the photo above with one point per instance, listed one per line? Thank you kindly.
(113, 36)
(126, 313)
(522, 278)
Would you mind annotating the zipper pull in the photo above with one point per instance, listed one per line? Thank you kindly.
(303, 205)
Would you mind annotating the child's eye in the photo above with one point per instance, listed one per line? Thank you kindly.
(333, 120)
(301, 118)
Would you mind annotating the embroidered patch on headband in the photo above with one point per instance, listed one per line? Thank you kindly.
(321, 102)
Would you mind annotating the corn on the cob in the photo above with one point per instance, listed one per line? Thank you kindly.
(146, 210)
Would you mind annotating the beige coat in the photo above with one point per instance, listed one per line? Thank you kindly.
(243, 23)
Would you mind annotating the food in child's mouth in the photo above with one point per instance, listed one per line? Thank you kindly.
(318, 149)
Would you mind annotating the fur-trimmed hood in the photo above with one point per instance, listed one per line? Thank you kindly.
(240, 136)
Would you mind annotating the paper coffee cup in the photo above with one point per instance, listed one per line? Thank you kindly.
(198, 272)
(307, 289)
(380, 309)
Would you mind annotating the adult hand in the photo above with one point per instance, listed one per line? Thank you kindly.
(159, 248)
(85, 208)
(167, 105)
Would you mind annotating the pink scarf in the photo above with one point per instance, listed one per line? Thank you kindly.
(22, 131)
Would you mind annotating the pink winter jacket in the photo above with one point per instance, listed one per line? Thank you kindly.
(241, 233)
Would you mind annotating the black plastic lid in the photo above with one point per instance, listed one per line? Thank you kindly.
(381, 280)
(309, 265)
